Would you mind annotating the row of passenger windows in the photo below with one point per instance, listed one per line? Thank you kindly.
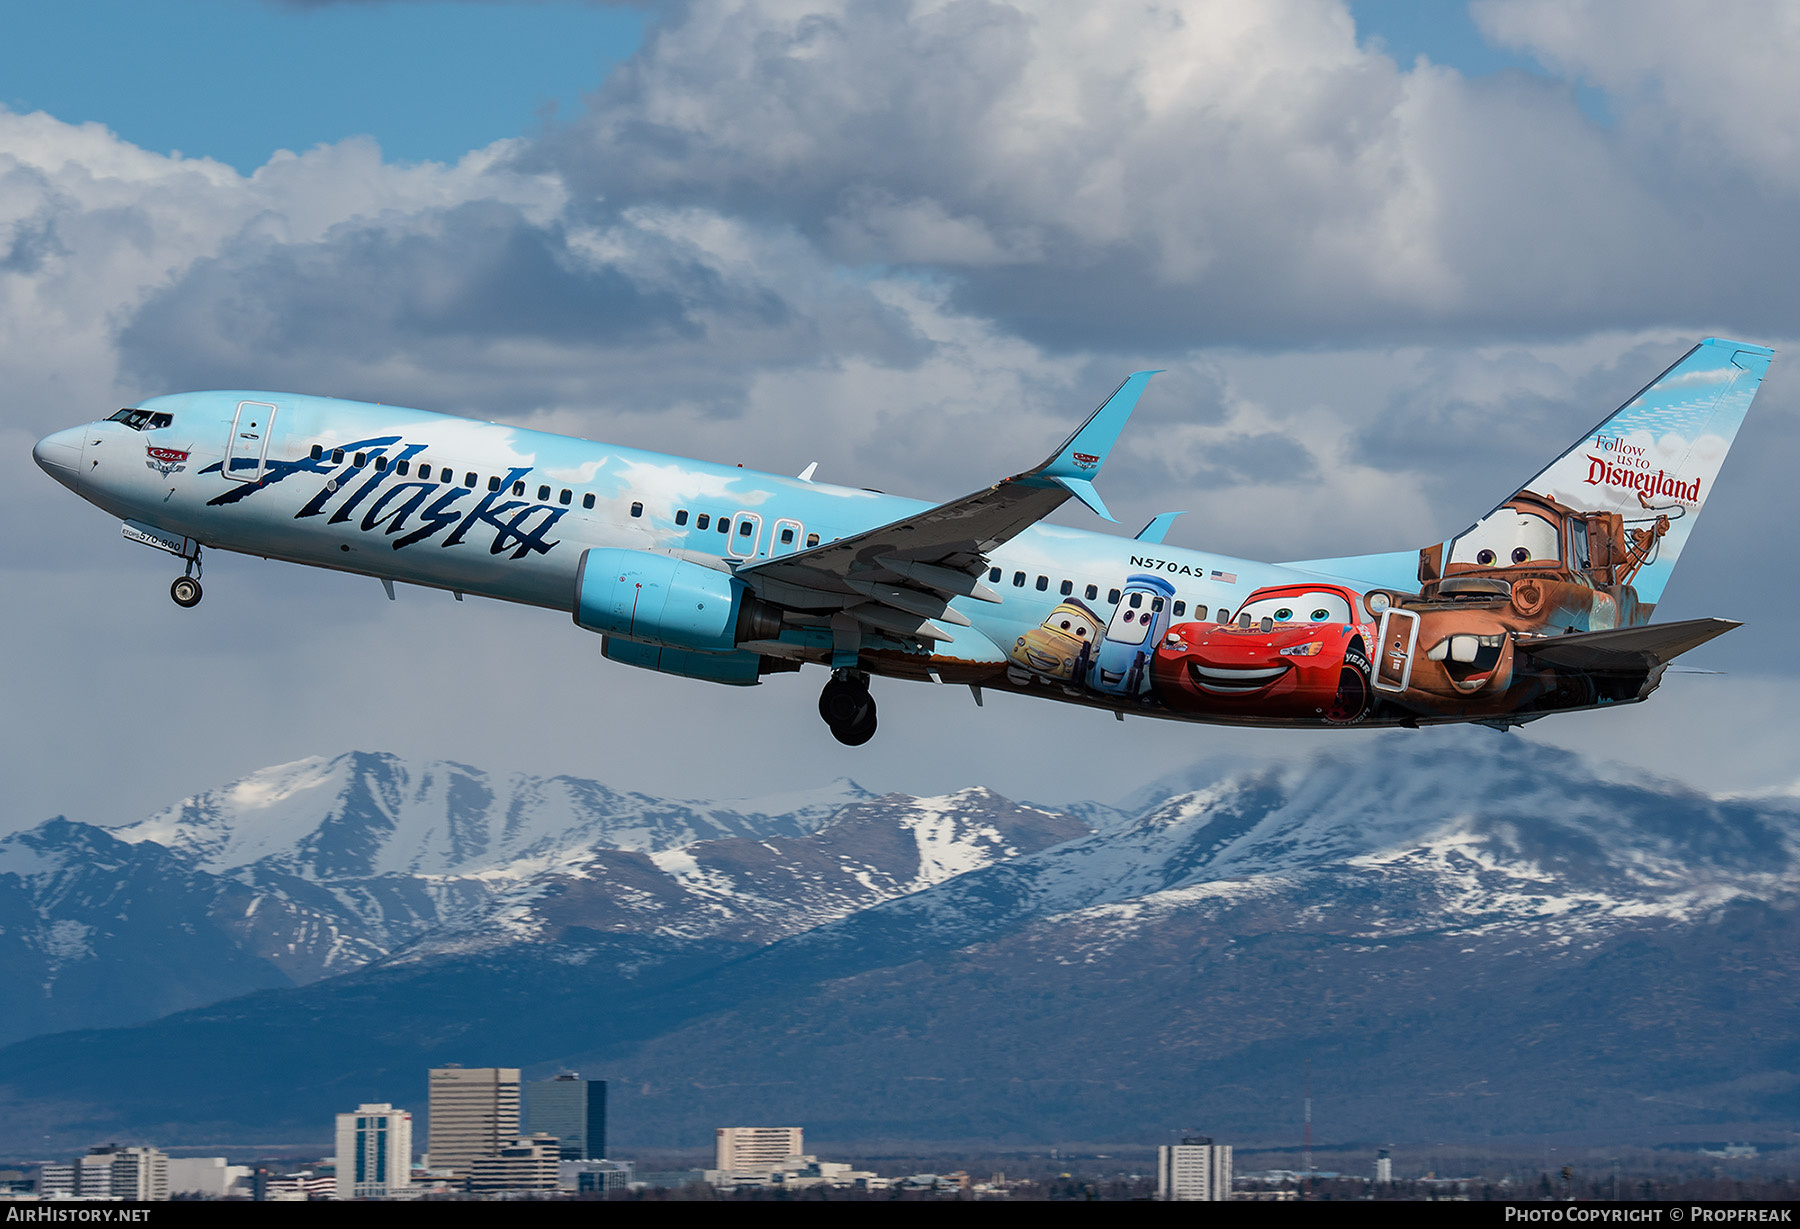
(444, 473)
(745, 528)
(1092, 593)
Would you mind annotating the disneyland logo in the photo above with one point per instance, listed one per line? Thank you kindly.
(1643, 481)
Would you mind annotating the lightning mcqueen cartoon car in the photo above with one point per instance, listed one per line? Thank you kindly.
(1297, 653)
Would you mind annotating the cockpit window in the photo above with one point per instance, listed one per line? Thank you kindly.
(142, 420)
(1506, 538)
(1318, 607)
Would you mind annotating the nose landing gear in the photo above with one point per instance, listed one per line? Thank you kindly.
(848, 708)
(186, 587)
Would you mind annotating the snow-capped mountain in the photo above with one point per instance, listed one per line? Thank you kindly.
(1518, 835)
(759, 891)
(1463, 932)
(316, 868)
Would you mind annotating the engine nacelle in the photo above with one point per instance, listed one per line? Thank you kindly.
(668, 602)
(738, 669)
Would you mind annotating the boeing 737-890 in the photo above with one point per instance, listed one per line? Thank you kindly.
(714, 572)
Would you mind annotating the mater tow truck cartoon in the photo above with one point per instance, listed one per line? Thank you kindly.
(1297, 654)
(1531, 570)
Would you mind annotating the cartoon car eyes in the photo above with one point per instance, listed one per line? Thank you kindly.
(1329, 608)
(1510, 535)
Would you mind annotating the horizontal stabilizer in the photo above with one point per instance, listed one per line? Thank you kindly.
(1158, 528)
(1626, 648)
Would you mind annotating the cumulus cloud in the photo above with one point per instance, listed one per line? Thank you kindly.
(1714, 86)
(1148, 174)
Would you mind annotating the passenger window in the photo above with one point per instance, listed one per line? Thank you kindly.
(362, 459)
(637, 509)
(993, 573)
(1156, 603)
(724, 524)
(543, 494)
(1092, 592)
(680, 517)
(587, 501)
(568, 495)
(494, 483)
(1068, 587)
(470, 479)
(787, 537)
(424, 472)
(318, 453)
(518, 488)
(702, 521)
(337, 456)
(1043, 583)
(1180, 609)
(1018, 580)
(1112, 595)
(1200, 613)
(743, 529)
(812, 539)
(400, 467)
(380, 465)
(1224, 615)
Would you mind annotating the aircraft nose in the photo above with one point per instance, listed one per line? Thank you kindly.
(59, 455)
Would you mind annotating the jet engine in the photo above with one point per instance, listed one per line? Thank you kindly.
(668, 602)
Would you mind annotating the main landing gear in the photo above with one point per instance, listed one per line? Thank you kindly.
(186, 589)
(848, 708)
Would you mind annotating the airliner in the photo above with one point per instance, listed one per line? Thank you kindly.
(718, 573)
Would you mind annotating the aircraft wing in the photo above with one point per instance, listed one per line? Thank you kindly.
(901, 576)
(1625, 648)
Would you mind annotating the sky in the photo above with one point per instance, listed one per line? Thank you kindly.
(1391, 255)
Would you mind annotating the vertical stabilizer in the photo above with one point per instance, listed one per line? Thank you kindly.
(1653, 463)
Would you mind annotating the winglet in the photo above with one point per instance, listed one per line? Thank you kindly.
(1158, 528)
(1081, 457)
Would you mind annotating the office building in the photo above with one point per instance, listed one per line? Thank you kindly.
(526, 1164)
(474, 1112)
(137, 1174)
(573, 1110)
(204, 1175)
(756, 1150)
(594, 1176)
(374, 1152)
(1196, 1168)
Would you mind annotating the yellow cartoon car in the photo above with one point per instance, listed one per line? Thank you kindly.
(1062, 646)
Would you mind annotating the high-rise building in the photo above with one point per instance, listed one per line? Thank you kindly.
(137, 1174)
(573, 1110)
(1384, 1166)
(754, 1150)
(374, 1152)
(1196, 1168)
(474, 1112)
